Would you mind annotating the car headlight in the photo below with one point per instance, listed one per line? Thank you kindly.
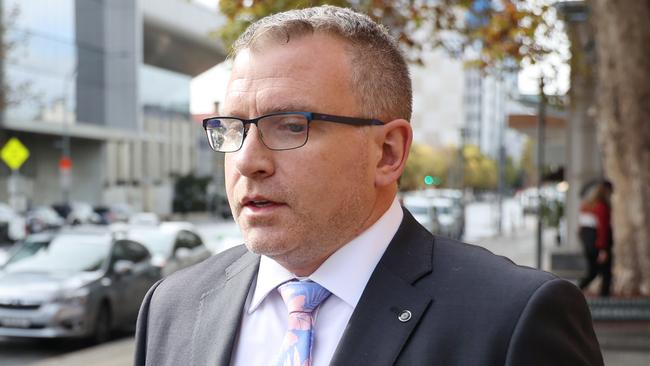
(78, 297)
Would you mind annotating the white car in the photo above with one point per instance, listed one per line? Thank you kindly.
(12, 225)
(449, 217)
(174, 245)
(144, 218)
(423, 211)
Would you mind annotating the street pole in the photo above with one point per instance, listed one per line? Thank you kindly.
(499, 102)
(461, 160)
(65, 172)
(541, 128)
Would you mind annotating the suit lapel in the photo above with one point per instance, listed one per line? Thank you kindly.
(375, 334)
(220, 311)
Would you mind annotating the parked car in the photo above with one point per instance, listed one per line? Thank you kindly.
(450, 217)
(144, 218)
(12, 225)
(112, 213)
(423, 211)
(457, 209)
(43, 218)
(226, 237)
(82, 213)
(84, 282)
(174, 245)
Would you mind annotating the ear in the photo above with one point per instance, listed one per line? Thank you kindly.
(395, 142)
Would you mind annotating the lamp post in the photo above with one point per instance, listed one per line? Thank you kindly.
(541, 128)
(65, 163)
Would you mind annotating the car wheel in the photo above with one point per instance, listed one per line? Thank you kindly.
(102, 331)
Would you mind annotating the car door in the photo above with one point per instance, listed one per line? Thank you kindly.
(199, 251)
(183, 250)
(131, 286)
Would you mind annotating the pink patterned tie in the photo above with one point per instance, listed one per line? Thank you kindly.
(301, 298)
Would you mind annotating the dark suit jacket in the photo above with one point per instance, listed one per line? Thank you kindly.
(468, 306)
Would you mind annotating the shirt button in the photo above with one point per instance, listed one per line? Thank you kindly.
(404, 316)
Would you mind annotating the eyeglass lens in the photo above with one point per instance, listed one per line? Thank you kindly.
(278, 132)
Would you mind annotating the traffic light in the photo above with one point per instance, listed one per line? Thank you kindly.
(431, 180)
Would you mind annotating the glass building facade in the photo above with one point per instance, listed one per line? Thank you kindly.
(40, 57)
(106, 84)
(164, 90)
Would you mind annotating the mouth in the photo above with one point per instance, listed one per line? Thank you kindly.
(257, 203)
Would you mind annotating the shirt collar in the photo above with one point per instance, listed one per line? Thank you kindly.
(346, 272)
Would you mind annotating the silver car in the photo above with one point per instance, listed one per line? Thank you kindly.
(450, 217)
(174, 245)
(81, 282)
(423, 212)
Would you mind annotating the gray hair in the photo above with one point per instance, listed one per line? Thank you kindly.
(380, 75)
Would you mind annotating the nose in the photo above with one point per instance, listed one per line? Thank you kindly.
(254, 160)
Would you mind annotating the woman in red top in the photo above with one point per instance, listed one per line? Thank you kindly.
(596, 236)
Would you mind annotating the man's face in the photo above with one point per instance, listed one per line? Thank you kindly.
(299, 206)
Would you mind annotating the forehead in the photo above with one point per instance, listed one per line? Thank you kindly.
(311, 73)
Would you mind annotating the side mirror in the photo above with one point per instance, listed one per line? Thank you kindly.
(123, 267)
(183, 253)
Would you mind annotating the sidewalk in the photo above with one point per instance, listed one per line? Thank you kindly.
(116, 353)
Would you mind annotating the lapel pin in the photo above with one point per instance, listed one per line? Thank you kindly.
(404, 316)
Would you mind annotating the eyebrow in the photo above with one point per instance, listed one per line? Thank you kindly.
(287, 107)
(271, 109)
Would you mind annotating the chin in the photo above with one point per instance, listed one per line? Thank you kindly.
(263, 242)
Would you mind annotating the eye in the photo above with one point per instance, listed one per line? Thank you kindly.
(295, 127)
(292, 124)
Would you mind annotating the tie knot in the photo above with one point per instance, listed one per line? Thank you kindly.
(302, 296)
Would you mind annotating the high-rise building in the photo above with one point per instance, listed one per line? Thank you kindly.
(105, 83)
(486, 108)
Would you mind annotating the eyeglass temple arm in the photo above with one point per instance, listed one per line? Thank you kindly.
(346, 120)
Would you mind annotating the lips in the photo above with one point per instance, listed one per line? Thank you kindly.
(259, 202)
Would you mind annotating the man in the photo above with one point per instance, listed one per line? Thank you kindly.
(334, 272)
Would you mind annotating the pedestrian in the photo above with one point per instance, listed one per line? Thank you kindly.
(334, 271)
(595, 231)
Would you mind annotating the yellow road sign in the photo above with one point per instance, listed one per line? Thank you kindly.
(14, 153)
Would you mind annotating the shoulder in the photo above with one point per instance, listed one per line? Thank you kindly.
(486, 296)
(467, 279)
(467, 262)
(193, 281)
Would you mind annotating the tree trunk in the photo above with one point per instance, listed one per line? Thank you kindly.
(623, 47)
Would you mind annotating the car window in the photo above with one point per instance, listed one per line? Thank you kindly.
(193, 239)
(130, 251)
(185, 240)
(159, 243)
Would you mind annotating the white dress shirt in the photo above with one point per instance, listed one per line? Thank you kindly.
(345, 274)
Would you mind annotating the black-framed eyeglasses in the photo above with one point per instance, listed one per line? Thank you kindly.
(278, 131)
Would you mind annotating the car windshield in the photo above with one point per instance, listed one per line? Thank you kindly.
(158, 242)
(66, 253)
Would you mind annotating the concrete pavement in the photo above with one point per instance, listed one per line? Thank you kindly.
(116, 353)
